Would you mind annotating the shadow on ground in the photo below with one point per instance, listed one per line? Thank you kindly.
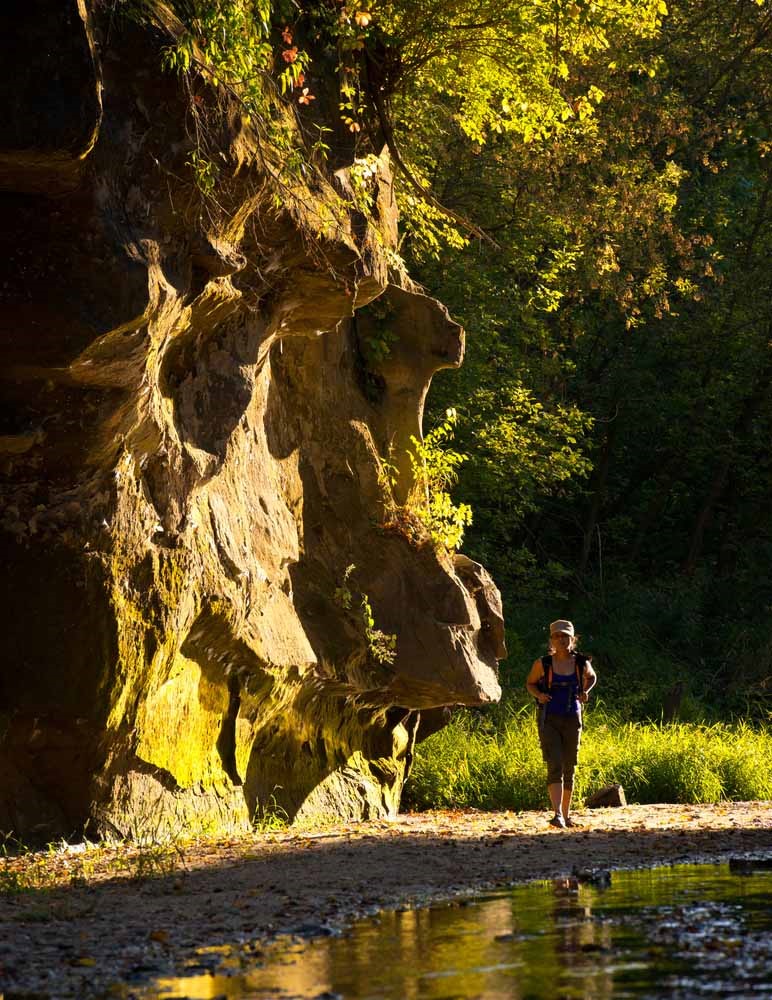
(109, 936)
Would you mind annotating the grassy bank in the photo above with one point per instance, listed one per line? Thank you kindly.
(495, 762)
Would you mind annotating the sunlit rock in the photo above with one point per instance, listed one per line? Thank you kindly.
(191, 493)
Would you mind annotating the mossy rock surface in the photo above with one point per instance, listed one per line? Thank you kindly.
(189, 465)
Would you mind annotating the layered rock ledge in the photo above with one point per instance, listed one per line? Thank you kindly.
(191, 479)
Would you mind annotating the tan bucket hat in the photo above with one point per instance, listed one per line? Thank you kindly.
(561, 625)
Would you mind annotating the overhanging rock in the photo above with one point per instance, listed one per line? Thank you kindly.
(190, 489)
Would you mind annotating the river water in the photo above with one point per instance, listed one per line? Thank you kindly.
(681, 932)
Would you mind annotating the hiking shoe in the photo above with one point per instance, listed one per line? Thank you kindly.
(558, 821)
(571, 822)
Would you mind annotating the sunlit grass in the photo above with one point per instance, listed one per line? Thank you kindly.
(497, 764)
(23, 869)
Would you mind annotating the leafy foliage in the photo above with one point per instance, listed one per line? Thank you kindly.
(629, 295)
(409, 73)
(229, 40)
(381, 646)
(435, 468)
(376, 342)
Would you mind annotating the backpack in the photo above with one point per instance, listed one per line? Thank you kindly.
(545, 683)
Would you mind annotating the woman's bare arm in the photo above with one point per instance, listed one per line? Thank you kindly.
(535, 675)
(590, 680)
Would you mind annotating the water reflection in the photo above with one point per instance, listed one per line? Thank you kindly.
(686, 932)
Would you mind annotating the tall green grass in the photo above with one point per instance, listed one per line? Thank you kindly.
(497, 764)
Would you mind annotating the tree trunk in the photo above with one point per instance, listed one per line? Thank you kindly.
(601, 482)
(667, 478)
(739, 431)
(717, 485)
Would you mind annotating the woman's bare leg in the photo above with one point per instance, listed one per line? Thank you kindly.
(557, 796)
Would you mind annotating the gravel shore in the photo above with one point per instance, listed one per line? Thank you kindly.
(89, 922)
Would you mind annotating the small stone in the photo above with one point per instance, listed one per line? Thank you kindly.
(593, 876)
(608, 796)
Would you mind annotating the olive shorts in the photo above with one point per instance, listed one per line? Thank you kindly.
(560, 736)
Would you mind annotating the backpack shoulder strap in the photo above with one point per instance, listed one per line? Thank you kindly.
(546, 665)
(581, 663)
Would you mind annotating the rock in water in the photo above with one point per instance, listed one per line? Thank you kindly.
(610, 795)
(600, 877)
(749, 866)
(202, 577)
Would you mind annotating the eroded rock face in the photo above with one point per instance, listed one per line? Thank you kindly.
(190, 498)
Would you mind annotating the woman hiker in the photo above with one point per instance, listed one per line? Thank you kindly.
(561, 682)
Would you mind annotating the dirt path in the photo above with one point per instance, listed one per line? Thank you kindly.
(103, 921)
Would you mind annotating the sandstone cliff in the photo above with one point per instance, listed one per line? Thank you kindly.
(190, 466)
